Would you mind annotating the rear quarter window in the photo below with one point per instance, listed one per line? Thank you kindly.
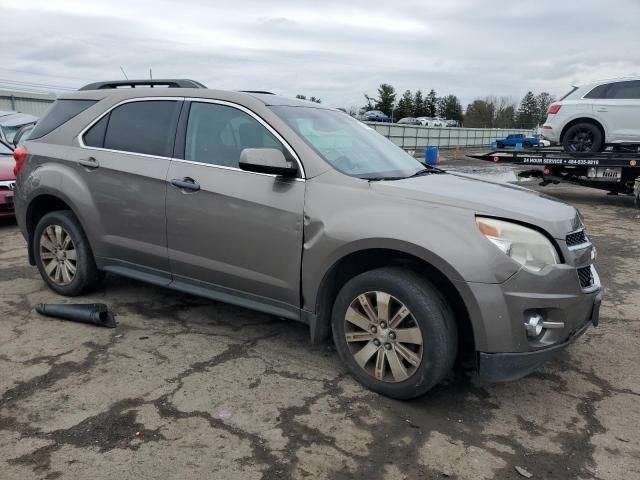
(58, 114)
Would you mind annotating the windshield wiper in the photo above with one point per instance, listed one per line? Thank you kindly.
(425, 171)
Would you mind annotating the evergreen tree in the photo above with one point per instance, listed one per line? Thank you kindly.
(418, 105)
(480, 114)
(405, 105)
(449, 108)
(528, 113)
(386, 98)
(431, 104)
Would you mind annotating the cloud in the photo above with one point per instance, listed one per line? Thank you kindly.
(336, 50)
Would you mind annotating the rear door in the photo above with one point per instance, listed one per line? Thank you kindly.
(618, 104)
(123, 159)
(236, 234)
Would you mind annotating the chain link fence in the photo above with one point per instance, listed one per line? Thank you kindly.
(413, 137)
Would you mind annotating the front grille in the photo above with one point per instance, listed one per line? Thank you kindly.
(8, 185)
(576, 238)
(585, 276)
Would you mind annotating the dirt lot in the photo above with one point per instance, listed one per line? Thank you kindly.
(186, 388)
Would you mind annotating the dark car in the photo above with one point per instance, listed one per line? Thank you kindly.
(375, 116)
(409, 121)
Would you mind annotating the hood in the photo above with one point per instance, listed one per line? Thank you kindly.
(6, 167)
(485, 197)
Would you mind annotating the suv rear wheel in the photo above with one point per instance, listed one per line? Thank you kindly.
(395, 332)
(583, 137)
(63, 255)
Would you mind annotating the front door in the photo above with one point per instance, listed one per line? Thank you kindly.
(234, 233)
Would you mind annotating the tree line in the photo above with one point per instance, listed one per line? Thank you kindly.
(488, 112)
(414, 104)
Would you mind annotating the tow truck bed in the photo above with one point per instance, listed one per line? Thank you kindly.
(614, 171)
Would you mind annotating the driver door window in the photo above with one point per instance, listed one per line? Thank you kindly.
(217, 134)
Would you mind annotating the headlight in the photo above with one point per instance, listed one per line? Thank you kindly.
(526, 246)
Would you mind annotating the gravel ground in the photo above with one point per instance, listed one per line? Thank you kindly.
(186, 388)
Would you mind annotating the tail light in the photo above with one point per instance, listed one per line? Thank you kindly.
(19, 155)
(555, 108)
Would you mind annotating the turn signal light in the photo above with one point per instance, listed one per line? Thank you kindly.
(19, 155)
(554, 108)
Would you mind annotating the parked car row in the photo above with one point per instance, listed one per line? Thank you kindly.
(379, 116)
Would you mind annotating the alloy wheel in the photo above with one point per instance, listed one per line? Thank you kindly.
(58, 255)
(582, 140)
(383, 336)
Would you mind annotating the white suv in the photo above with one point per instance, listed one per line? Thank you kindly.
(595, 115)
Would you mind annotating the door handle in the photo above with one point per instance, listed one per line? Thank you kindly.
(602, 110)
(186, 184)
(90, 163)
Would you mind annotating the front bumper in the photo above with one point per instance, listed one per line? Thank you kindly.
(504, 367)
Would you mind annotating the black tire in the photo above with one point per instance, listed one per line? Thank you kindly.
(428, 310)
(500, 145)
(527, 145)
(583, 137)
(86, 275)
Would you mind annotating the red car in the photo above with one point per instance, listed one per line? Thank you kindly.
(7, 181)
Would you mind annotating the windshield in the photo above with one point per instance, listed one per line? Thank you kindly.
(10, 132)
(348, 145)
(4, 150)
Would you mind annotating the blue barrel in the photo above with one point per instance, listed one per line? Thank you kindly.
(431, 155)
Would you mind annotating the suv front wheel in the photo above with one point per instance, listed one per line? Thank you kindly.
(395, 332)
(63, 255)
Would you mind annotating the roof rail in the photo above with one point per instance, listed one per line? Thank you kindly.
(263, 92)
(167, 82)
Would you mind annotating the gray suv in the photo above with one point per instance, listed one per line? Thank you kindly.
(303, 212)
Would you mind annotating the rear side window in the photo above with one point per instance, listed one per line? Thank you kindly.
(146, 127)
(60, 112)
(625, 90)
(599, 92)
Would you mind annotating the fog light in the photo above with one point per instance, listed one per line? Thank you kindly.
(534, 324)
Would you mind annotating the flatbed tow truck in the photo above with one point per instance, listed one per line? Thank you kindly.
(616, 171)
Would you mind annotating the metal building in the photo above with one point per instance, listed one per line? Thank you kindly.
(25, 102)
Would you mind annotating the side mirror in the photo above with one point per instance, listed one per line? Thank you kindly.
(267, 160)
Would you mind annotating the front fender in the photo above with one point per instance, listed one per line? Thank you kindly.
(345, 215)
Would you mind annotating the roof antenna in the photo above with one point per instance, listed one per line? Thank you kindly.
(122, 70)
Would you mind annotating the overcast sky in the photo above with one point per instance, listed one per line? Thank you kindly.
(335, 49)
